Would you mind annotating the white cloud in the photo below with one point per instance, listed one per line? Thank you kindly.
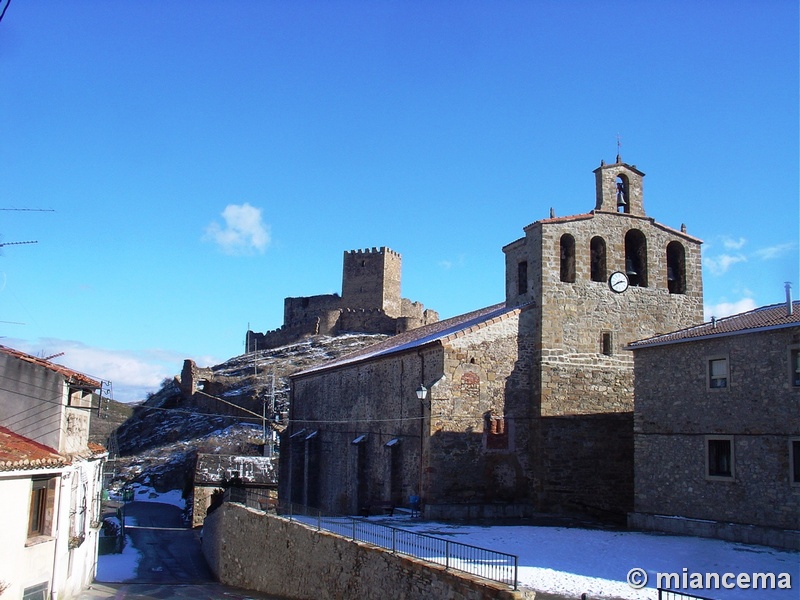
(448, 264)
(243, 233)
(725, 309)
(719, 265)
(774, 251)
(731, 244)
(132, 374)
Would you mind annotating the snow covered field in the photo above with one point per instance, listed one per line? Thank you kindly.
(573, 561)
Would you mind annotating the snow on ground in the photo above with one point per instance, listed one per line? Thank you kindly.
(573, 561)
(118, 567)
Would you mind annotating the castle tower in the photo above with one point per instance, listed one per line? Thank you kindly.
(371, 280)
(595, 282)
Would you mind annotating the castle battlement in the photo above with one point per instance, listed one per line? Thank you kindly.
(373, 250)
(370, 303)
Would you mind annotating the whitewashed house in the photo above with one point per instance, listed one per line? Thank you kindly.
(50, 479)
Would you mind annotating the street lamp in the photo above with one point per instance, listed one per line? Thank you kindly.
(422, 393)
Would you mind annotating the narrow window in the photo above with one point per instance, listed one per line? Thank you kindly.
(567, 258)
(794, 460)
(719, 457)
(794, 367)
(522, 277)
(597, 251)
(606, 345)
(636, 258)
(494, 432)
(676, 268)
(718, 373)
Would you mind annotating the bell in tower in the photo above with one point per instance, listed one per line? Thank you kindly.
(619, 188)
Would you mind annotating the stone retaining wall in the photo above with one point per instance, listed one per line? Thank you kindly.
(253, 550)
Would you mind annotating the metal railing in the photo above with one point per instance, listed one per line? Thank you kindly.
(482, 562)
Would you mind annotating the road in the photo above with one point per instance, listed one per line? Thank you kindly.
(172, 565)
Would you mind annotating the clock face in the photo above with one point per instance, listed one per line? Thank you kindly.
(618, 282)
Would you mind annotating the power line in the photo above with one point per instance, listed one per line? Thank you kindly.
(5, 8)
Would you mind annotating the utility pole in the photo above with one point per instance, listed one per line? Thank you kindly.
(271, 412)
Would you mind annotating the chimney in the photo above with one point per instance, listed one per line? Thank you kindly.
(789, 309)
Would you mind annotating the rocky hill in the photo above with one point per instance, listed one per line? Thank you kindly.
(157, 443)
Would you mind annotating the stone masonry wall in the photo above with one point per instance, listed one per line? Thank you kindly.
(676, 410)
(253, 550)
(480, 415)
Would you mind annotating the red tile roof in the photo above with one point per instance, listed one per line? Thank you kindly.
(18, 452)
(440, 331)
(70, 374)
(767, 317)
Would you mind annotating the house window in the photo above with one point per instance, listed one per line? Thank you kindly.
(40, 520)
(567, 258)
(794, 367)
(522, 277)
(597, 253)
(719, 457)
(35, 592)
(794, 461)
(718, 373)
(606, 346)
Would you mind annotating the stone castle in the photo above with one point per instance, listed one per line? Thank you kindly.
(370, 303)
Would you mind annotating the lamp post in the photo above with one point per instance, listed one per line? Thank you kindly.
(416, 500)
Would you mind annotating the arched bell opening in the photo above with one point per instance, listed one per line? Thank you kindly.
(636, 258)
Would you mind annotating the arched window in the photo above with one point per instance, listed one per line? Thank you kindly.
(567, 258)
(636, 257)
(597, 251)
(623, 194)
(676, 268)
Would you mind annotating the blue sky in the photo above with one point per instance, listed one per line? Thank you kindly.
(204, 160)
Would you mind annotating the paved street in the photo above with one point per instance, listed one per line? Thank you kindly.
(156, 591)
(172, 565)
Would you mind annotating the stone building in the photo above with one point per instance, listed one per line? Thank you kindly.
(370, 303)
(214, 473)
(530, 402)
(717, 428)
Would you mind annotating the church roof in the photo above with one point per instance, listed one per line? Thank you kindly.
(441, 331)
(775, 316)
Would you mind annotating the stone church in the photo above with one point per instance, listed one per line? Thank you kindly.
(513, 409)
